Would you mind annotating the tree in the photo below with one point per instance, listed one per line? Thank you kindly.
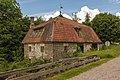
(107, 26)
(87, 20)
(2, 59)
(75, 18)
(39, 20)
(12, 30)
(23, 29)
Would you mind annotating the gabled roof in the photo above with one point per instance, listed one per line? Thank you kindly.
(60, 29)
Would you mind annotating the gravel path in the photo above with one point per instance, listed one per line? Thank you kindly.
(107, 71)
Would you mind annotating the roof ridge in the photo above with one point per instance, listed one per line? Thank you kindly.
(54, 20)
(83, 25)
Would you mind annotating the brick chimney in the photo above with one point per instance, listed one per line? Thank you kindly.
(31, 22)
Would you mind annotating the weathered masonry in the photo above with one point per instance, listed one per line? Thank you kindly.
(52, 51)
(58, 38)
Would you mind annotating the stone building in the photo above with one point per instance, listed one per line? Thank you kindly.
(58, 38)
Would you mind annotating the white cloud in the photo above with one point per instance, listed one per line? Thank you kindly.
(118, 14)
(84, 10)
(80, 14)
(55, 14)
(114, 1)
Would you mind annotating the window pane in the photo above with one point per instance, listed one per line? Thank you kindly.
(65, 48)
(42, 48)
(29, 48)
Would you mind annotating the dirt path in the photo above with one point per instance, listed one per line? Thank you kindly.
(107, 71)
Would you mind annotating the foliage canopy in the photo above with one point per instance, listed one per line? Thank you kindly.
(12, 30)
(107, 26)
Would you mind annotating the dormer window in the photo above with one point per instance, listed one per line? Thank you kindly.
(78, 31)
(37, 33)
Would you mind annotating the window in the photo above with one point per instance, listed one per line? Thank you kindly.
(78, 31)
(37, 33)
(94, 46)
(30, 48)
(65, 48)
(42, 49)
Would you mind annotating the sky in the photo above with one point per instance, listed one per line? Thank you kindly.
(48, 8)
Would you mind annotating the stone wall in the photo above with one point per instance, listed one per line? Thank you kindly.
(54, 51)
(60, 52)
(36, 53)
(49, 51)
(26, 52)
(100, 46)
(87, 47)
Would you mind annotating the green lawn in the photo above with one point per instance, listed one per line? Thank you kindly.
(112, 52)
(106, 55)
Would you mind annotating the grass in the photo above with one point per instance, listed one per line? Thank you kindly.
(111, 52)
(77, 71)
(21, 64)
(106, 55)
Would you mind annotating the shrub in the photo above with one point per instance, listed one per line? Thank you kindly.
(39, 61)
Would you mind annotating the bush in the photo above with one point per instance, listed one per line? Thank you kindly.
(13, 66)
(104, 47)
(37, 62)
(76, 54)
(4, 66)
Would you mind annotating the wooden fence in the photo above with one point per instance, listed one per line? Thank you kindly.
(44, 71)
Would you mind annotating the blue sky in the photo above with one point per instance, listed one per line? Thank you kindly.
(42, 7)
